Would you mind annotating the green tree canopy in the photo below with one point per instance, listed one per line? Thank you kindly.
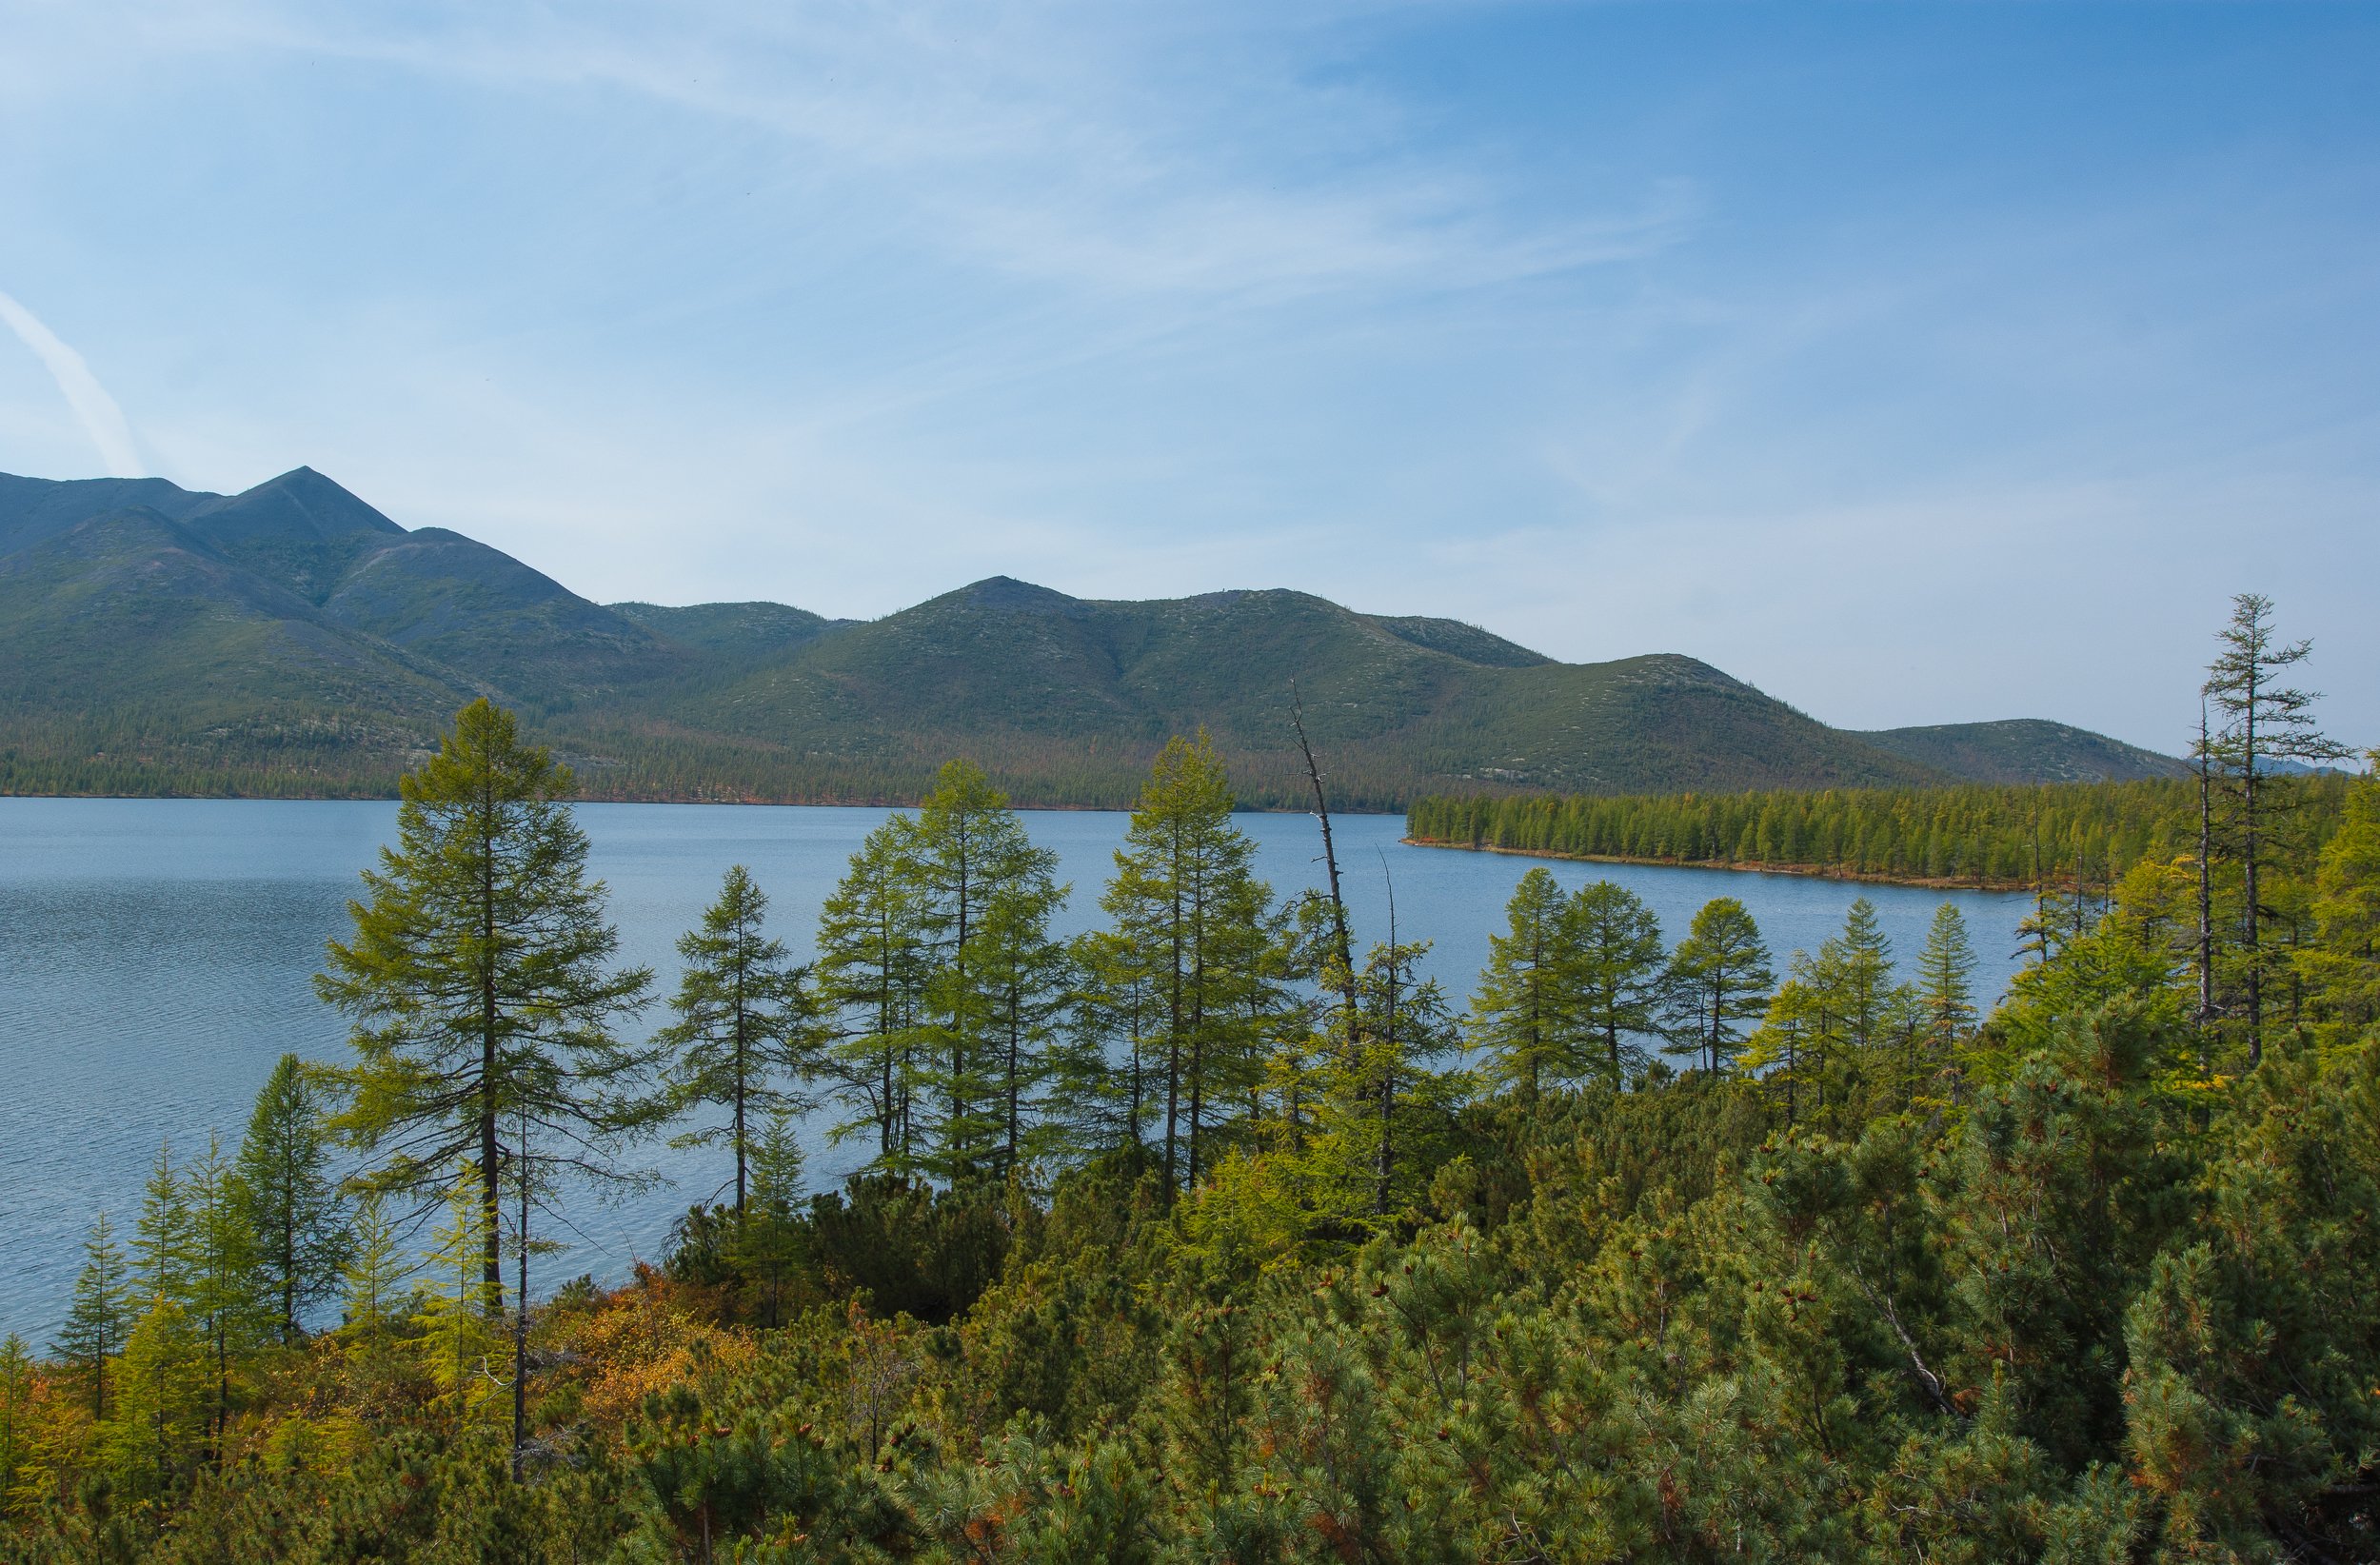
(485, 1005)
(747, 1029)
(1525, 1013)
(480, 982)
(289, 1203)
(1718, 981)
(1193, 921)
(1612, 947)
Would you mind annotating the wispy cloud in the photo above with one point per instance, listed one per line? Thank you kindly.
(1182, 154)
(109, 431)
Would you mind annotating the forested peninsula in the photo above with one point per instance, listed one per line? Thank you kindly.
(2004, 838)
(1218, 1233)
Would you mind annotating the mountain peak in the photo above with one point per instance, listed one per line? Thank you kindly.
(302, 502)
(1007, 592)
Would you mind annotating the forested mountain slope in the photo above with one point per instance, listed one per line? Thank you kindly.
(291, 639)
(2025, 750)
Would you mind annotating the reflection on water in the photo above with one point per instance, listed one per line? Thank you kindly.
(156, 956)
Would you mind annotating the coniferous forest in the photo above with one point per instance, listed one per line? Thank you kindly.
(1221, 1234)
(2006, 836)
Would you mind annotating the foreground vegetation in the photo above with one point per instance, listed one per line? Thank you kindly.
(1199, 1238)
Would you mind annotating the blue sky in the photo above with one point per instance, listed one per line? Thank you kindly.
(1916, 363)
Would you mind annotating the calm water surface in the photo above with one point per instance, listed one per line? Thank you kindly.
(157, 958)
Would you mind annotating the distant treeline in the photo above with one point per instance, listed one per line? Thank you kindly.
(1974, 834)
(140, 752)
(307, 753)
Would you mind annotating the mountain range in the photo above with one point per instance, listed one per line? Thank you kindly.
(292, 639)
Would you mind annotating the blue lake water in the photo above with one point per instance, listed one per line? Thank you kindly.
(157, 958)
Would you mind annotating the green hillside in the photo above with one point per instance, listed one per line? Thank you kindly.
(2025, 750)
(1036, 682)
(743, 632)
(293, 638)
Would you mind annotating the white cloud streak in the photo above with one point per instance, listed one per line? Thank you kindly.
(103, 422)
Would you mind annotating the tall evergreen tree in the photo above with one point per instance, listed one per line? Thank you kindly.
(162, 1236)
(979, 879)
(1851, 1002)
(289, 1200)
(1778, 1051)
(479, 982)
(1861, 957)
(229, 1304)
(2264, 724)
(1611, 943)
(1385, 1098)
(1026, 983)
(1718, 981)
(1107, 1070)
(1524, 1012)
(98, 1314)
(872, 971)
(479, 979)
(747, 1024)
(1186, 900)
(1945, 974)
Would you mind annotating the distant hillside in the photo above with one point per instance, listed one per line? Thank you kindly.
(737, 632)
(2025, 750)
(1035, 680)
(291, 639)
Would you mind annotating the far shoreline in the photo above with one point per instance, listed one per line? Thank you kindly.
(614, 799)
(1807, 872)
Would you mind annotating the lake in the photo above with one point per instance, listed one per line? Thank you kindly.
(156, 959)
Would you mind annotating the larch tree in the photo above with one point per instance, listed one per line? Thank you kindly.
(98, 1313)
(458, 1341)
(229, 1306)
(1612, 947)
(1524, 1012)
(1186, 900)
(289, 1200)
(1946, 978)
(871, 975)
(161, 1412)
(1862, 958)
(1779, 1049)
(747, 1028)
(1718, 981)
(1853, 1001)
(1026, 983)
(485, 1003)
(1106, 1072)
(162, 1260)
(768, 1242)
(1388, 1092)
(978, 879)
(2265, 726)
